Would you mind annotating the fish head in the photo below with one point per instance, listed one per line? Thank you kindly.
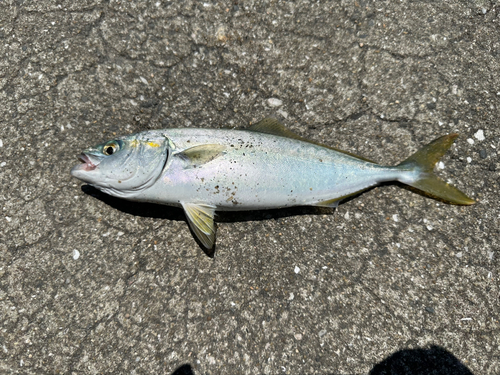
(124, 166)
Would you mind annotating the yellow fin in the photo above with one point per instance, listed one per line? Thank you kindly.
(201, 221)
(424, 160)
(273, 126)
(333, 203)
(202, 154)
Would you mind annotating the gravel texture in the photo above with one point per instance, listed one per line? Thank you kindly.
(389, 283)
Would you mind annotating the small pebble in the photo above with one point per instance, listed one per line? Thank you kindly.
(76, 254)
(430, 310)
(283, 113)
(479, 135)
(297, 269)
(483, 154)
(273, 102)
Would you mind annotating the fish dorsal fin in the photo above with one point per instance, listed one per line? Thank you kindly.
(202, 154)
(201, 221)
(273, 126)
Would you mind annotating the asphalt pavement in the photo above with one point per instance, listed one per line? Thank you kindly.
(391, 282)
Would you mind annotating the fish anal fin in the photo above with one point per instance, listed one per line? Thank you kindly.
(273, 126)
(333, 203)
(330, 203)
(202, 154)
(201, 221)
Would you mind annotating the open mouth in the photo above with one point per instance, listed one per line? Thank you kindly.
(89, 166)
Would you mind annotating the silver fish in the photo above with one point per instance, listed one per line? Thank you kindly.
(265, 166)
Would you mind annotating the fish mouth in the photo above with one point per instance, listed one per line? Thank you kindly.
(87, 164)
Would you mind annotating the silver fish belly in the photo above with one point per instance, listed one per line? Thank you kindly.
(263, 167)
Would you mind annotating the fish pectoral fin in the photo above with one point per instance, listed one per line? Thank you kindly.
(202, 154)
(273, 126)
(201, 221)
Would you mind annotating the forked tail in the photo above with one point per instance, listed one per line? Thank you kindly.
(424, 161)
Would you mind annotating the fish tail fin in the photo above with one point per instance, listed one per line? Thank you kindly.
(427, 182)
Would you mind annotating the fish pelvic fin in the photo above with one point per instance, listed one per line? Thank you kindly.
(427, 182)
(201, 221)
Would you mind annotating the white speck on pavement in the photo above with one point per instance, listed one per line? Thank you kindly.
(479, 135)
(274, 102)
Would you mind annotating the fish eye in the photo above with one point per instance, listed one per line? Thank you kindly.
(110, 148)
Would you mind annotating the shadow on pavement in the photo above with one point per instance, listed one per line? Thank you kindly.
(184, 370)
(432, 361)
(160, 211)
(142, 209)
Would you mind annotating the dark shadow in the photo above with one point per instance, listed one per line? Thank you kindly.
(432, 361)
(159, 211)
(271, 214)
(152, 210)
(184, 370)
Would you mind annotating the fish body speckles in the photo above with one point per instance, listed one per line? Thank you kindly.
(263, 167)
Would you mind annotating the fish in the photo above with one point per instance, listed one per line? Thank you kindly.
(265, 166)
